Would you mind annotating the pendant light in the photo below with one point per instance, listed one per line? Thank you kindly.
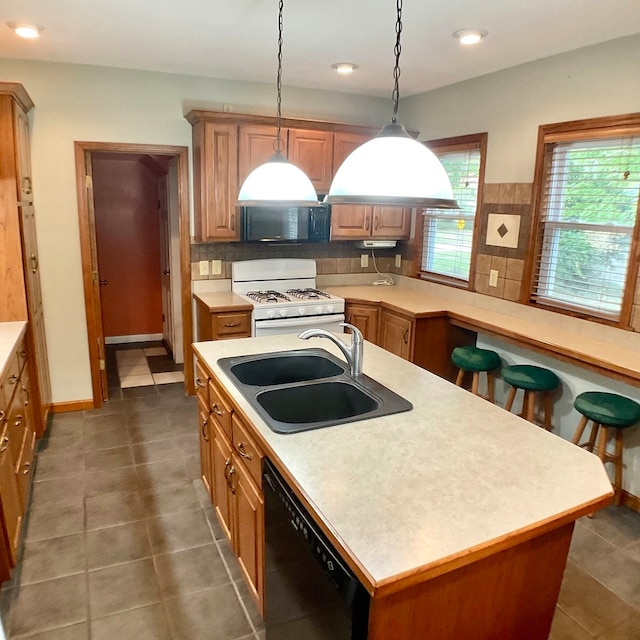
(393, 168)
(277, 183)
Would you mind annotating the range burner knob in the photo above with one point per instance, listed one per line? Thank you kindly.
(319, 310)
(301, 311)
(283, 313)
(271, 314)
(330, 308)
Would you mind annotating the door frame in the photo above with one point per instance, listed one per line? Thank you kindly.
(87, 232)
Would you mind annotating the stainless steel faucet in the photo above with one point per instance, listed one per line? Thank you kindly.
(352, 352)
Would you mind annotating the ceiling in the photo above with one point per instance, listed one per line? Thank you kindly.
(237, 39)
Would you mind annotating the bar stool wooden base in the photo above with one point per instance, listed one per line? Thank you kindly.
(532, 380)
(470, 359)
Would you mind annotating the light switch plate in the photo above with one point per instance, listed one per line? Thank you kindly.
(493, 278)
(216, 267)
(364, 260)
(204, 267)
(398, 260)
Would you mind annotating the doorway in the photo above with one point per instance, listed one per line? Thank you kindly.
(134, 228)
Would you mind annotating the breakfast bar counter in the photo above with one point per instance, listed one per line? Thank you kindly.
(456, 503)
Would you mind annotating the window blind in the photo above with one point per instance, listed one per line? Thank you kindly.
(448, 234)
(588, 210)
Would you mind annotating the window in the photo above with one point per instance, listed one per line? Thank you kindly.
(448, 234)
(587, 194)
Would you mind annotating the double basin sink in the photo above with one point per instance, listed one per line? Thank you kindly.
(308, 389)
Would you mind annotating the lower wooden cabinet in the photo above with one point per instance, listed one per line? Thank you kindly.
(231, 464)
(222, 325)
(396, 333)
(17, 447)
(365, 317)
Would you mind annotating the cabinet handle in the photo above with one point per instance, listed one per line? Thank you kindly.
(13, 379)
(366, 223)
(233, 222)
(19, 419)
(242, 451)
(376, 223)
(200, 384)
(204, 433)
(26, 185)
(216, 410)
(26, 393)
(405, 336)
(229, 470)
(22, 353)
(2, 414)
(34, 263)
(5, 444)
(232, 324)
(27, 468)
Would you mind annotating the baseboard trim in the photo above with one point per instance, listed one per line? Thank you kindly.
(631, 501)
(74, 405)
(142, 337)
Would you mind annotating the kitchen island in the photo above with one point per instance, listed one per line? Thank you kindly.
(456, 516)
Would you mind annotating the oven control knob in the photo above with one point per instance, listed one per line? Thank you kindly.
(283, 313)
(330, 308)
(271, 314)
(319, 310)
(301, 311)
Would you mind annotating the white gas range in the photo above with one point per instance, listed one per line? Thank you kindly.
(284, 296)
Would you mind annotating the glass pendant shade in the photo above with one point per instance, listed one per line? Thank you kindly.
(277, 183)
(392, 169)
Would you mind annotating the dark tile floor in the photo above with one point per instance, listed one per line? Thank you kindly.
(121, 540)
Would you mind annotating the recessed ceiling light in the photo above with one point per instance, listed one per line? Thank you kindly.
(344, 68)
(25, 30)
(470, 36)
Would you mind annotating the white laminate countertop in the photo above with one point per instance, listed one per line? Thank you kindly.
(10, 333)
(416, 491)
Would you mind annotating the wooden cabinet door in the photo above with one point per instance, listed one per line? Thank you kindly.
(396, 334)
(365, 317)
(205, 446)
(30, 256)
(391, 222)
(10, 500)
(312, 151)
(249, 528)
(256, 146)
(215, 158)
(344, 144)
(222, 467)
(350, 221)
(23, 155)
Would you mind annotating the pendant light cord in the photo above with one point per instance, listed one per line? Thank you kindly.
(396, 69)
(278, 141)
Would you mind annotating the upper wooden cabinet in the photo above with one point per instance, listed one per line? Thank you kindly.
(228, 146)
(356, 222)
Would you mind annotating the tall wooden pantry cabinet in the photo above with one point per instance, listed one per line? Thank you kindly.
(20, 297)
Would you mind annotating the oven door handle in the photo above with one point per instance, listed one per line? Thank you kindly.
(303, 321)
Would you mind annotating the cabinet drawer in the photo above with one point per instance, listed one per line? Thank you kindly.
(220, 409)
(201, 383)
(231, 325)
(247, 450)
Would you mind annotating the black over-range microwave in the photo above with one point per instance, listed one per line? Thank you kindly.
(286, 224)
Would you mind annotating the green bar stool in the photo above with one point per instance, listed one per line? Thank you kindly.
(474, 360)
(532, 380)
(606, 411)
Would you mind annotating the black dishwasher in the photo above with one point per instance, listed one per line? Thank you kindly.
(310, 593)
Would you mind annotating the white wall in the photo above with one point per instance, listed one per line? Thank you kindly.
(82, 103)
(510, 105)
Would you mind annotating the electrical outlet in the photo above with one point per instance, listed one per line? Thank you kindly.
(398, 261)
(216, 267)
(204, 267)
(227, 108)
(364, 260)
(493, 278)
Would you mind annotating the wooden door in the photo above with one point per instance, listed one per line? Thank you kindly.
(96, 281)
(391, 222)
(30, 256)
(396, 334)
(312, 151)
(350, 221)
(205, 446)
(128, 240)
(10, 499)
(165, 264)
(256, 146)
(23, 154)
(222, 468)
(344, 144)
